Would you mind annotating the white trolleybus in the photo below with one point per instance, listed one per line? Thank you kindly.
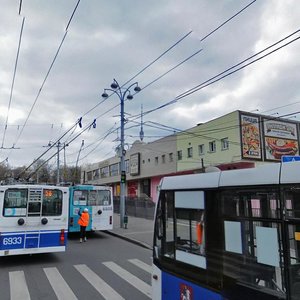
(229, 235)
(33, 219)
(99, 202)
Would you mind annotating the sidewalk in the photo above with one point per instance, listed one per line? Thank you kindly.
(139, 231)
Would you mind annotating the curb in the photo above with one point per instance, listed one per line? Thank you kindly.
(139, 243)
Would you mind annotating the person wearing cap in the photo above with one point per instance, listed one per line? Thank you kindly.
(83, 221)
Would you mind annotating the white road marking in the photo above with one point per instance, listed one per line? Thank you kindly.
(100, 285)
(133, 280)
(59, 285)
(141, 265)
(18, 286)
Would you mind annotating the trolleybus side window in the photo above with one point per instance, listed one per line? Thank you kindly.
(164, 230)
(99, 197)
(92, 197)
(252, 239)
(15, 202)
(180, 227)
(52, 202)
(189, 220)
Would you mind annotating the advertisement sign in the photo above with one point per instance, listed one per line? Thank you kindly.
(250, 135)
(135, 164)
(280, 138)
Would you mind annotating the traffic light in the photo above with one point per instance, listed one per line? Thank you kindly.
(123, 177)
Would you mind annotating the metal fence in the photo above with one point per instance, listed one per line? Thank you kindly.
(136, 207)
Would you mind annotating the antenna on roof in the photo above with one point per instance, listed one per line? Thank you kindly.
(142, 131)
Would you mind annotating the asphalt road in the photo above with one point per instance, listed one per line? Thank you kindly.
(105, 267)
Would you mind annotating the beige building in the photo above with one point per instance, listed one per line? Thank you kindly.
(145, 163)
(235, 140)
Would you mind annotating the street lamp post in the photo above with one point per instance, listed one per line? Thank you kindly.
(122, 94)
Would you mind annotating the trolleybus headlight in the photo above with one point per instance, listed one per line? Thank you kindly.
(21, 221)
(44, 221)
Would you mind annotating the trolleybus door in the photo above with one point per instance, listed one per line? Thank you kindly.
(33, 221)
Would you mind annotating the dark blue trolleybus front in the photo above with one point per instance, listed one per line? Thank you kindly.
(229, 235)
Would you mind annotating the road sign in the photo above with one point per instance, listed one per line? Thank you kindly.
(290, 158)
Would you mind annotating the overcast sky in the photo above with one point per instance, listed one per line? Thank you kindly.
(45, 89)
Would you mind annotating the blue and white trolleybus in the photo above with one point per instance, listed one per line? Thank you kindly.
(99, 202)
(33, 219)
(229, 235)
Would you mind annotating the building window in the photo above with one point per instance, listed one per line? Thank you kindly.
(163, 159)
(179, 155)
(156, 160)
(201, 149)
(89, 175)
(104, 172)
(170, 157)
(96, 174)
(114, 170)
(224, 144)
(212, 146)
(126, 165)
(190, 152)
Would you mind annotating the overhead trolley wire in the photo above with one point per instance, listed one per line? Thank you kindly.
(47, 74)
(58, 150)
(40, 89)
(141, 71)
(227, 21)
(225, 73)
(20, 7)
(172, 69)
(236, 70)
(180, 40)
(204, 84)
(67, 27)
(174, 101)
(158, 57)
(46, 151)
(13, 83)
(185, 60)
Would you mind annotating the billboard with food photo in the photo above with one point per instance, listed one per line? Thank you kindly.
(280, 138)
(250, 137)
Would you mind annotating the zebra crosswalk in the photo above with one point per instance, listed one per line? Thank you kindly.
(63, 290)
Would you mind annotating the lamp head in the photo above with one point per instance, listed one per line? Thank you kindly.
(104, 95)
(129, 97)
(137, 89)
(114, 85)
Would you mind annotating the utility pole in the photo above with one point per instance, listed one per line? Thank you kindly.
(76, 166)
(58, 175)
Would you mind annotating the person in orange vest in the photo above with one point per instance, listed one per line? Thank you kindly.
(83, 221)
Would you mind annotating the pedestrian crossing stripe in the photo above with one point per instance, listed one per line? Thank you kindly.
(19, 289)
(100, 285)
(141, 265)
(59, 285)
(133, 280)
(18, 286)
